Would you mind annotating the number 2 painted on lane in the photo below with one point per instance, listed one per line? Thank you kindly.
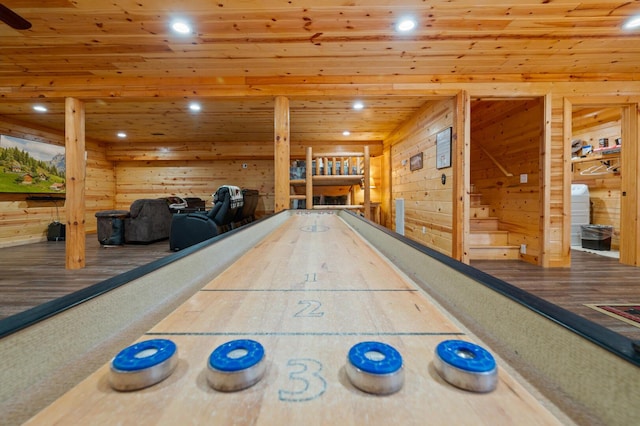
(310, 309)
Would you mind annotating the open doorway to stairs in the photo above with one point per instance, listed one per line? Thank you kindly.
(505, 220)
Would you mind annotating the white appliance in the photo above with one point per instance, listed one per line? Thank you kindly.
(580, 211)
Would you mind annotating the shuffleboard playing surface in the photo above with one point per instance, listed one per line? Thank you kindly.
(307, 292)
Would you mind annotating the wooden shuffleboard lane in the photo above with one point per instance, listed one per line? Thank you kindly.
(308, 292)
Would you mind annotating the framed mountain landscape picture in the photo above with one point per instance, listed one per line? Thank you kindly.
(31, 167)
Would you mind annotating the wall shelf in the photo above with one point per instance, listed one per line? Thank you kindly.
(596, 157)
(45, 198)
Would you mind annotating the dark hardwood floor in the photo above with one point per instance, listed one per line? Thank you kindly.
(33, 274)
(591, 279)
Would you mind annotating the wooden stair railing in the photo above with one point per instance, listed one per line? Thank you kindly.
(492, 158)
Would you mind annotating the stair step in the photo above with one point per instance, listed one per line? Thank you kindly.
(497, 238)
(483, 224)
(494, 252)
(475, 199)
(480, 211)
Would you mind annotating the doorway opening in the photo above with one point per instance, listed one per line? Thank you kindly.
(596, 179)
(505, 218)
(609, 129)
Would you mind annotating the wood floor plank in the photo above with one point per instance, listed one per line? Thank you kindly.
(35, 273)
(591, 279)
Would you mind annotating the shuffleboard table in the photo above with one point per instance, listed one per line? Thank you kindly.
(307, 286)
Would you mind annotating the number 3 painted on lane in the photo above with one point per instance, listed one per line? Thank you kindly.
(307, 383)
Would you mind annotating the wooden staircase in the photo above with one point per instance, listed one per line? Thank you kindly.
(486, 240)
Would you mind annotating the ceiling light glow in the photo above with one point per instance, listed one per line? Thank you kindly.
(346, 133)
(406, 24)
(632, 23)
(181, 27)
(194, 106)
(122, 135)
(40, 108)
(358, 105)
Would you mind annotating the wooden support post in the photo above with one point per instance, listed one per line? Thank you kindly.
(281, 154)
(461, 159)
(367, 180)
(309, 179)
(630, 191)
(75, 181)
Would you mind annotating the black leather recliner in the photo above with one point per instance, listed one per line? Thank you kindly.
(193, 228)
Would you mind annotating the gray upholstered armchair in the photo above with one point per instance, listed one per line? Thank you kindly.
(149, 220)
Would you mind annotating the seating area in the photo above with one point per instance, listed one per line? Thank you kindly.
(184, 221)
(232, 208)
(146, 221)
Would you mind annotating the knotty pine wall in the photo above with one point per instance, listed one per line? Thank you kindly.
(154, 179)
(604, 188)
(511, 132)
(428, 203)
(560, 95)
(23, 221)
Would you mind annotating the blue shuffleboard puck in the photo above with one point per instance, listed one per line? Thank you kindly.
(466, 365)
(375, 367)
(143, 364)
(236, 365)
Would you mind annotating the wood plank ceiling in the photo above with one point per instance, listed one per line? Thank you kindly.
(105, 47)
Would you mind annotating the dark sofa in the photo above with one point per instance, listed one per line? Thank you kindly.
(149, 220)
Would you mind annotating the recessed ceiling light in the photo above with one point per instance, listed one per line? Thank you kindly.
(346, 133)
(181, 27)
(406, 24)
(40, 108)
(122, 135)
(194, 106)
(632, 23)
(358, 105)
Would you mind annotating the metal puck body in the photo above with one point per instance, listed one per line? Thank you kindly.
(143, 364)
(466, 366)
(236, 365)
(375, 367)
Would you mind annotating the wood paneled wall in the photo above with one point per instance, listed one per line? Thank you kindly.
(428, 202)
(560, 93)
(100, 184)
(154, 179)
(511, 132)
(590, 125)
(23, 221)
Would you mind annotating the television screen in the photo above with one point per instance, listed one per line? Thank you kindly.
(31, 167)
